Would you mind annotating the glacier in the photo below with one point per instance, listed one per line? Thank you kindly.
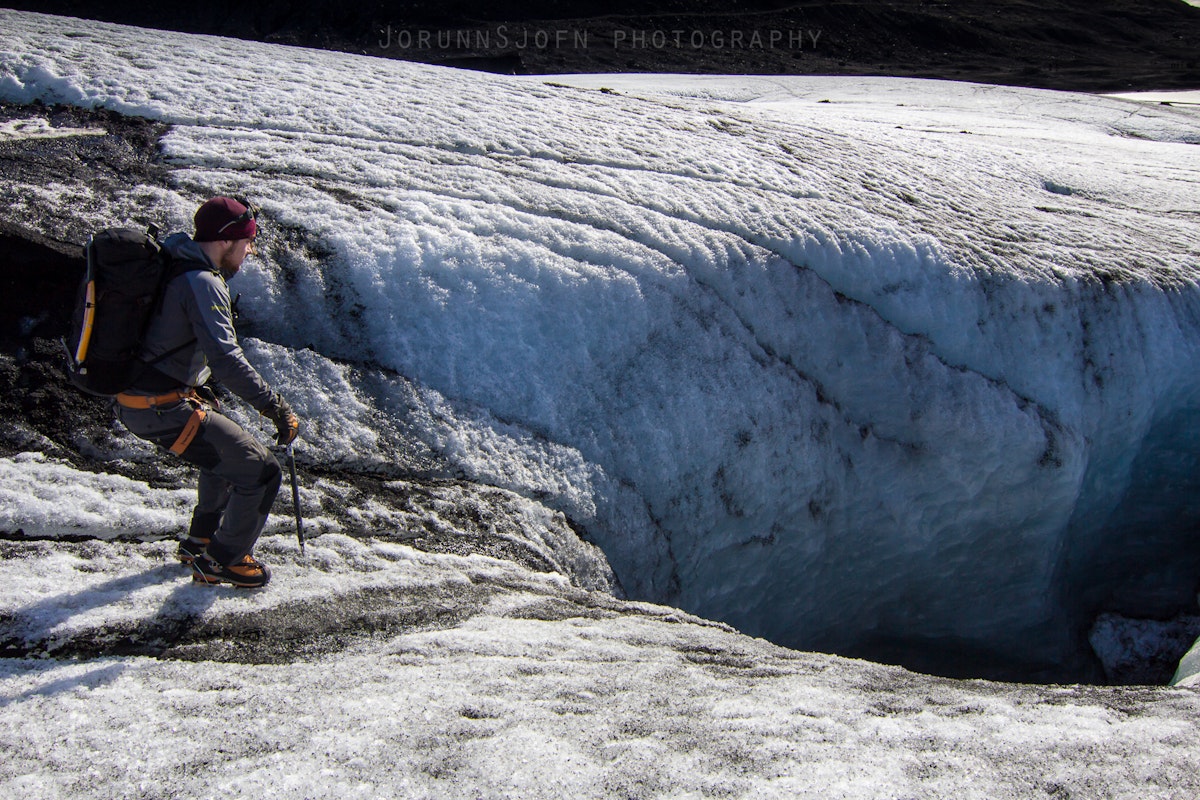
(886, 368)
(477, 677)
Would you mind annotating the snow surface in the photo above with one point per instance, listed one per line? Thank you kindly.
(849, 364)
(823, 367)
(517, 700)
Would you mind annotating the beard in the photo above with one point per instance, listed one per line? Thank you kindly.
(229, 265)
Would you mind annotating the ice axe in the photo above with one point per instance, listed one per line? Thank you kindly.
(291, 462)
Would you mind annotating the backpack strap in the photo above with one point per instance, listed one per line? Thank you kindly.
(149, 377)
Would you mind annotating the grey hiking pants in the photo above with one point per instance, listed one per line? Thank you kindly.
(239, 477)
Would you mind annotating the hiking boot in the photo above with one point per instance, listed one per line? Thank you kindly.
(246, 574)
(189, 548)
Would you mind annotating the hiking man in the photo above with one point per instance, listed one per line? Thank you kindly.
(190, 339)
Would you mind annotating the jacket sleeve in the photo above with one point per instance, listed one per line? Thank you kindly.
(209, 311)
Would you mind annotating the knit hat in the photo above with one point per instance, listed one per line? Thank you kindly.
(224, 218)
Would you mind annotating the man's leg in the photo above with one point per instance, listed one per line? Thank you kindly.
(233, 458)
(212, 496)
(239, 477)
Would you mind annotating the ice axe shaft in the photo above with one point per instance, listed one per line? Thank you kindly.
(291, 462)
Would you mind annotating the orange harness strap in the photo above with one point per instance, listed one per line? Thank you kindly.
(139, 401)
(189, 431)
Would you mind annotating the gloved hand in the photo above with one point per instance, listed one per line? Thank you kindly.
(287, 424)
(208, 397)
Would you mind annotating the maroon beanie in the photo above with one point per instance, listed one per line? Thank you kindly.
(222, 218)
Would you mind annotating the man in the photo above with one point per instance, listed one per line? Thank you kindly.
(188, 340)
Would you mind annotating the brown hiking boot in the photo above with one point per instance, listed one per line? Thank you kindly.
(246, 574)
(189, 548)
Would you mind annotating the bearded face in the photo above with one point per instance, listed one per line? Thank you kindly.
(230, 259)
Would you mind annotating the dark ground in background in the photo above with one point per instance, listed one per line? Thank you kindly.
(1085, 45)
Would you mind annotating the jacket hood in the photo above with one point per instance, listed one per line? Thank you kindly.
(180, 246)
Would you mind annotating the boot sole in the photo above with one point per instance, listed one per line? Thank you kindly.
(215, 580)
(218, 581)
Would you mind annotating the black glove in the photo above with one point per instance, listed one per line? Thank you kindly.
(287, 424)
(208, 397)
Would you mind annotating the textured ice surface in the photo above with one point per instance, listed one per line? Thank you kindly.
(505, 683)
(863, 365)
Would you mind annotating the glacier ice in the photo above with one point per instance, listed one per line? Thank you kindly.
(898, 369)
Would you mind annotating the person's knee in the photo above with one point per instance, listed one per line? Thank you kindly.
(270, 479)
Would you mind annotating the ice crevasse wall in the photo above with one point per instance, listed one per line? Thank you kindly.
(911, 374)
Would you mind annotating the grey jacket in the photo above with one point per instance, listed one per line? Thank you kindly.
(196, 306)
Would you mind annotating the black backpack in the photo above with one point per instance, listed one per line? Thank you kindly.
(127, 270)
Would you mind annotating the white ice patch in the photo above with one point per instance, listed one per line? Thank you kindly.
(38, 128)
(44, 497)
(371, 419)
(1188, 673)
